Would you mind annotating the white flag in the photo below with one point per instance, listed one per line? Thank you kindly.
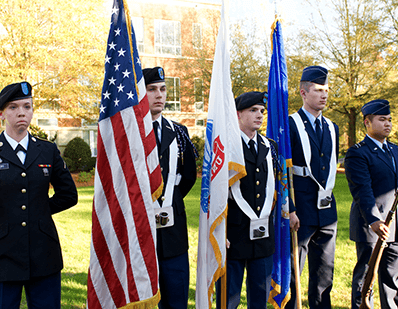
(223, 164)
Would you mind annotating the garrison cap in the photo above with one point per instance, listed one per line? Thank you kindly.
(315, 74)
(15, 92)
(249, 99)
(153, 75)
(376, 107)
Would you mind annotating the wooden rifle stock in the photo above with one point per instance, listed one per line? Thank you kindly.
(374, 261)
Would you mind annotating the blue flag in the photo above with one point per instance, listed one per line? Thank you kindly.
(278, 130)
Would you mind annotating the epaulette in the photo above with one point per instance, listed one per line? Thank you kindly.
(41, 139)
(359, 145)
(177, 123)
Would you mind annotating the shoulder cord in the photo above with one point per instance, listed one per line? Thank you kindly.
(182, 139)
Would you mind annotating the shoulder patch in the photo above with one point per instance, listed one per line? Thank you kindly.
(359, 145)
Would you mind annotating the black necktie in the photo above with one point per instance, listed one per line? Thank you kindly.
(387, 151)
(20, 148)
(155, 130)
(253, 149)
(318, 130)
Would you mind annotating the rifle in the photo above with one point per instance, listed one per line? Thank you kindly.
(373, 265)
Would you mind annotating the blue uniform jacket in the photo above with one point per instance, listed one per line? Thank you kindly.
(305, 189)
(372, 180)
(238, 223)
(29, 244)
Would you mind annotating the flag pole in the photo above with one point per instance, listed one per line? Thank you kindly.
(296, 265)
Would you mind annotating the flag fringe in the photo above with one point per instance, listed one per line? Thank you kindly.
(275, 292)
(221, 270)
(240, 169)
(158, 192)
(217, 252)
(149, 303)
(273, 27)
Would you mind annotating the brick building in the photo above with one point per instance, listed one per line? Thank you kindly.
(180, 36)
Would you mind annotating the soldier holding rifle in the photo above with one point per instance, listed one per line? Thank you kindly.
(371, 170)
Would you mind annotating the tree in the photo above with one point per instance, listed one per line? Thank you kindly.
(58, 46)
(360, 53)
(250, 56)
(198, 55)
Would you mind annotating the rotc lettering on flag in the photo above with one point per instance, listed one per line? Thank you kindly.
(218, 149)
(123, 264)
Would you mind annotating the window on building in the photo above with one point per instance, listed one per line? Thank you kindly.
(197, 36)
(167, 37)
(198, 88)
(200, 122)
(47, 122)
(138, 24)
(173, 94)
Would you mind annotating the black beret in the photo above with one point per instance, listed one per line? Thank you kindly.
(376, 107)
(15, 92)
(315, 74)
(249, 99)
(153, 75)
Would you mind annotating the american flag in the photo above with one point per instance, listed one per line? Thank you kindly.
(123, 263)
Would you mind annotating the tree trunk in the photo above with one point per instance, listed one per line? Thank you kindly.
(352, 124)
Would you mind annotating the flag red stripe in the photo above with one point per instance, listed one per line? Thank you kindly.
(92, 299)
(120, 227)
(140, 216)
(105, 260)
(141, 110)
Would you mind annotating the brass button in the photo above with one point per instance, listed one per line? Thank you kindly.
(23, 223)
(258, 208)
(161, 157)
(258, 195)
(323, 168)
(23, 190)
(23, 174)
(322, 154)
(163, 198)
(257, 170)
(323, 181)
(161, 169)
(23, 207)
(257, 182)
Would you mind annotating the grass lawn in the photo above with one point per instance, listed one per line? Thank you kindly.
(74, 228)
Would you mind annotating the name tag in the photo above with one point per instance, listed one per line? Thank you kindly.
(4, 166)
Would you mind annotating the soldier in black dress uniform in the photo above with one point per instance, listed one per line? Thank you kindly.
(30, 252)
(250, 226)
(177, 161)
